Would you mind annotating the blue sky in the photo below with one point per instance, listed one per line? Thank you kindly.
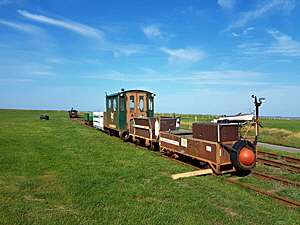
(200, 57)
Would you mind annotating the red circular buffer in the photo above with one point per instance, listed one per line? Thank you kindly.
(246, 156)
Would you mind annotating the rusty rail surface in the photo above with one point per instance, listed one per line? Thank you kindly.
(261, 175)
(284, 200)
(281, 157)
(284, 181)
(77, 120)
(167, 157)
(278, 164)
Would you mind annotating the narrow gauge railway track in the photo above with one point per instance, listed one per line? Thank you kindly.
(78, 120)
(276, 156)
(278, 161)
(278, 164)
(258, 174)
(282, 199)
(284, 181)
(261, 175)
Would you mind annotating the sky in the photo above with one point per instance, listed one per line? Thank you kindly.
(197, 56)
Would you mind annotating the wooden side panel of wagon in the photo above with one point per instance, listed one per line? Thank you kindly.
(203, 150)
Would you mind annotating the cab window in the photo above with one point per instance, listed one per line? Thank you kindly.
(122, 104)
(150, 104)
(141, 103)
(115, 103)
(132, 103)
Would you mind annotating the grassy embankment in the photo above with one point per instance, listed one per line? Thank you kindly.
(61, 172)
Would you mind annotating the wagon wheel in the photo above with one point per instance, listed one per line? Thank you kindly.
(151, 146)
(109, 132)
(137, 142)
(124, 135)
(169, 153)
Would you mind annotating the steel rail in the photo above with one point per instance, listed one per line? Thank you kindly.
(276, 156)
(282, 199)
(284, 181)
(167, 157)
(77, 120)
(285, 200)
(278, 164)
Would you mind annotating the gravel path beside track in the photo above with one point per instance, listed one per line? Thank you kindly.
(277, 147)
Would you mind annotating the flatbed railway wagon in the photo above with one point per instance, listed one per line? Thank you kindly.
(215, 146)
(146, 131)
(223, 147)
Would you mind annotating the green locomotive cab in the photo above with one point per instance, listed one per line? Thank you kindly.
(125, 105)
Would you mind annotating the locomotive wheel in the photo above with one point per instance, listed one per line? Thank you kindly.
(137, 142)
(124, 135)
(108, 132)
(244, 156)
(169, 153)
(151, 146)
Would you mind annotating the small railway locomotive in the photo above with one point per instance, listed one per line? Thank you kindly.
(221, 146)
(122, 107)
(73, 113)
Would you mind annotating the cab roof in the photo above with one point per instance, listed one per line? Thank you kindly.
(127, 91)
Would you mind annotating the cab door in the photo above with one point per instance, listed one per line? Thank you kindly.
(136, 105)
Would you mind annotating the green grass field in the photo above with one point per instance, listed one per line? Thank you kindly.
(60, 172)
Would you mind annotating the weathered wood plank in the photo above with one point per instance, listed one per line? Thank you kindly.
(191, 174)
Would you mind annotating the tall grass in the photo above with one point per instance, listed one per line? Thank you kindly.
(59, 172)
(282, 133)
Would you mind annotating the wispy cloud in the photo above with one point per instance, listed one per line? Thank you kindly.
(152, 31)
(226, 4)
(38, 70)
(252, 48)
(262, 10)
(60, 61)
(226, 74)
(127, 49)
(70, 25)
(4, 2)
(23, 27)
(14, 81)
(193, 11)
(227, 77)
(118, 50)
(184, 56)
(113, 75)
(282, 45)
(245, 32)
